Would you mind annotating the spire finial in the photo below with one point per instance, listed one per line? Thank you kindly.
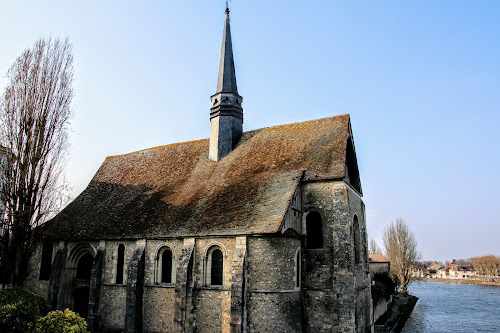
(227, 7)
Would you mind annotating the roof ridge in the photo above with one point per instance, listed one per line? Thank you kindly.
(156, 147)
(247, 132)
(298, 122)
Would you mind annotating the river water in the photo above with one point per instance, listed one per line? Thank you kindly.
(450, 307)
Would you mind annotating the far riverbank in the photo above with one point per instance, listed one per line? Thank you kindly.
(496, 283)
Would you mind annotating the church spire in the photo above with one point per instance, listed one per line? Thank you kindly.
(227, 74)
(226, 113)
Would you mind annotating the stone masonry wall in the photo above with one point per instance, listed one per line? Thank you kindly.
(112, 307)
(212, 310)
(274, 312)
(335, 298)
(32, 282)
(113, 298)
(159, 305)
(112, 259)
(325, 303)
(212, 304)
(334, 293)
(274, 301)
(152, 248)
(159, 298)
(364, 311)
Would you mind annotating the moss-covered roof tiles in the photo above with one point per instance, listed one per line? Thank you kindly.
(175, 190)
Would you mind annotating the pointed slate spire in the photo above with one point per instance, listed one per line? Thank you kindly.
(226, 113)
(227, 74)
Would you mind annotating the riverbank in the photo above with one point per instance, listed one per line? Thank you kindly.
(397, 314)
(495, 283)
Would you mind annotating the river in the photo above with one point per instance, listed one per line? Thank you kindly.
(450, 307)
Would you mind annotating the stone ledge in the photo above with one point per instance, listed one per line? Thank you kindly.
(107, 284)
(275, 291)
(170, 285)
(221, 288)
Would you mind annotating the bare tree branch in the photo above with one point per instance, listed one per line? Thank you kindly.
(374, 248)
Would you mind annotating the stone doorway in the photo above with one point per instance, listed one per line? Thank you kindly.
(82, 301)
(81, 285)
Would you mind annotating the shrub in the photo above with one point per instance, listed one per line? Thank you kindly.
(19, 310)
(61, 322)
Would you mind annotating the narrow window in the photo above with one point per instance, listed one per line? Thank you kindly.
(217, 267)
(120, 263)
(46, 263)
(297, 269)
(314, 230)
(355, 227)
(166, 266)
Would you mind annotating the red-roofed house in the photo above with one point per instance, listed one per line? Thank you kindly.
(379, 264)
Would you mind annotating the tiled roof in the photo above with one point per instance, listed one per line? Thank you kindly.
(175, 190)
(377, 257)
(434, 266)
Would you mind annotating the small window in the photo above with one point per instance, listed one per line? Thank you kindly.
(215, 267)
(166, 266)
(357, 249)
(46, 263)
(120, 263)
(297, 269)
(314, 230)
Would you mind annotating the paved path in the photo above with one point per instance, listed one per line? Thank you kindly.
(397, 301)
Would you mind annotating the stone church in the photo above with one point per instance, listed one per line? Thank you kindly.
(258, 231)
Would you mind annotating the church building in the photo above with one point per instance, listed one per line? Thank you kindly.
(257, 231)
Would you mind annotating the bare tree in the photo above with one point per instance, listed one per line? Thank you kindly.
(487, 266)
(401, 250)
(374, 248)
(34, 121)
(463, 261)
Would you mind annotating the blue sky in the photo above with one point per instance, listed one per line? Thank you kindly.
(420, 79)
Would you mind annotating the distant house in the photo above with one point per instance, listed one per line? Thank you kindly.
(442, 273)
(434, 267)
(454, 271)
(433, 270)
(378, 264)
(461, 272)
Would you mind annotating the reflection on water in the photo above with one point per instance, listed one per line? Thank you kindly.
(449, 307)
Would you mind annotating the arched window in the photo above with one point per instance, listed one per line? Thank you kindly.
(217, 268)
(297, 269)
(120, 263)
(165, 270)
(214, 273)
(46, 263)
(84, 267)
(314, 230)
(355, 227)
